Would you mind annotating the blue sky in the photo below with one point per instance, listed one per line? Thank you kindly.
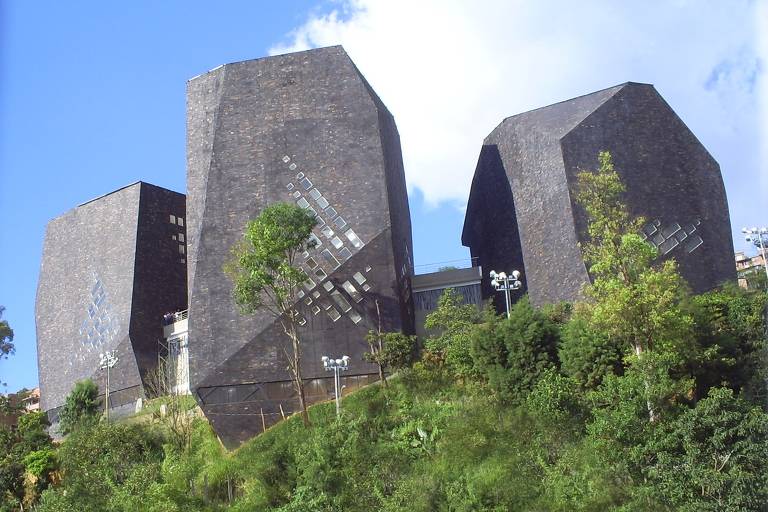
(92, 96)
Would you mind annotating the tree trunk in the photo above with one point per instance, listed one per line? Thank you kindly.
(382, 377)
(651, 412)
(298, 381)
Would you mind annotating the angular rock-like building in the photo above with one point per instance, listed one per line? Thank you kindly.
(304, 128)
(111, 268)
(522, 212)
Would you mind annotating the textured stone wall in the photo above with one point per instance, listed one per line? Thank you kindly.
(109, 271)
(303, 128)
(671, 180)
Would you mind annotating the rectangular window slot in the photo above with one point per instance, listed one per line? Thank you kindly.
(320, 273)
(355, 317)
(327, 231)
(312, 211)
(315, 309)
(173, 219)
(181, 249)
(322, 203)
(320, 222)
(330, 258)
(367, 268)
(336, 242)
(326, 305)
(352, 291)
(345, 253)
(360, 278)
(181, 237)
(313, 241)
(340, 222)
(300, 293)
(356, 242)
(309, 283)
(292, 167)
(335, 315)
(328, 286)
(296, 194)
(303, 203)
(180, 221)
(289, 186)
(308, 301)
(366, 287)
(286, 159)
(173, 237)
(331, 212)
(306, 184)
(302, 320)
(316, 294)
(315, 194)
(300, 176)
(311, 263)
(341, 301)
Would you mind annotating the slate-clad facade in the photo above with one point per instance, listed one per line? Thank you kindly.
(110, 269)
(522, 212)
(304, 128)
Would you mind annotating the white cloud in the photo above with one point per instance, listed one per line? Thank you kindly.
(450, 71)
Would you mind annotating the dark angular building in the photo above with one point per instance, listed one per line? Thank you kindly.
(522, 212)
(304, 128)
(110, 269)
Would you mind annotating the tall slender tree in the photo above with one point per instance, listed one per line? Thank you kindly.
(633, 299)
(266, 275)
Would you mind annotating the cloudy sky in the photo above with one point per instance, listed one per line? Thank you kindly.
(92, 96)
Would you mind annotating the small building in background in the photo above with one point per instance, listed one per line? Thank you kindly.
(427, 289)
(751, 271)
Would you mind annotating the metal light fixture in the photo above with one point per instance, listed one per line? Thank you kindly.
(336, 365)
(758, 237)
(107, 360)
(502, 282)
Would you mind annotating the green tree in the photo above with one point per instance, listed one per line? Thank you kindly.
(452, 322)
(712, 457)
(513, 353)
(266, 275)
(6, 338)
(630, 300)
(390, 350)
(80, 407)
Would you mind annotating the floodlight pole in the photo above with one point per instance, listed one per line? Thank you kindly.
(755, 235)
(506, 283)
(107, 360)
(336, 365)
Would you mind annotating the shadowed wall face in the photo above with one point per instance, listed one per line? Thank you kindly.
(672, 181)
(110, 269)
(302, 128)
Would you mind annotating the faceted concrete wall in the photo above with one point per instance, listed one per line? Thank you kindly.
(110, 269)
(303, 128)
(522, 212)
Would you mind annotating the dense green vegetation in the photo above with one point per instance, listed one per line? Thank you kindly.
(640, 398)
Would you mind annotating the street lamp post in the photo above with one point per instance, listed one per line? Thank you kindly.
(502, 282)
(336, 365)
(757, 236)
(107, 360)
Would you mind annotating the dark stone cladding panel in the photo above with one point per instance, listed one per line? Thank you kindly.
(668, 173)
(315, 108)
(106, 238)
(669, 176)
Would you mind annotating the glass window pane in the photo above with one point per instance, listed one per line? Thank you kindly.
(340, 222)
(360, 278)
(352, 291)
(335, 315)
(292, 167)
(330, 258)
(296, 193)
(314, 194)
(356, 242)
(322, 202)
(320, 273)
(180, 221)
(181, 237)
(173, 219)
(311, 263)
(336, 242)
(306, 184)
(355, 317)
(303, 203)
(309, 283)
(341, 301)
(328, 285)
(331, 212)
(327, 231)
(345, 253)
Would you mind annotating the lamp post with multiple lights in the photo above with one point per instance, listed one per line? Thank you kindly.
(758, 237)
(336, 365)
(506, 283)
(107, 360)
